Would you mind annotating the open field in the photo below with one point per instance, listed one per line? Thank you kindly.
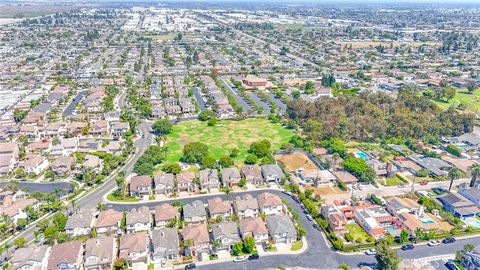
(366, 44)
(225, 136)
(471, 101)
(295, 161)
(31, 11)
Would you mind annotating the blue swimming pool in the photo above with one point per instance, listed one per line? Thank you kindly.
(361, 155)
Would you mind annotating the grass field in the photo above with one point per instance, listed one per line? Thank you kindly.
(471, 101)
(392, 181)
(225, 136)
(358, 233)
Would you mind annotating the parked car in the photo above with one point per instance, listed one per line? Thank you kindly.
(407, 247)
(423, 183)
(163, 263)
(253, 257)
(309, 217)
(449, 240)
(190, 266)
(451, 265)
(287, 193)
(371, 252)
(316, 226)
(240, 259)
(434, 243)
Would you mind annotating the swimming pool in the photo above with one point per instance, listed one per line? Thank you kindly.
(390, 228)
(427, 221)
(474, 222)
(361, 155)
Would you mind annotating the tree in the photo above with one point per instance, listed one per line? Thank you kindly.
(194, 152)
(120, 264)
(260, 148)
(20, 242)
(50, 233)
(60, 220)
(226, 161)
(162, 127)
(209, 162)
(454, 174)
(206, 115)
(19, 115)
(250, 159)
(449, 93)
(475, 173)
(237, 248)
(471, 86)
(249, 244)
(234, 153)
(344, 266)
(172, 168)
(386, 257)
(404, 234)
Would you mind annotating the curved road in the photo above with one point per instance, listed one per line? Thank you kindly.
(319, 254)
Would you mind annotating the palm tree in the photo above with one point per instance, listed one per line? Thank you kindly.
(475, 173)
(453, 174)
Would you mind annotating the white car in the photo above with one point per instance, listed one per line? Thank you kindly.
(240, 259)
(163, 263)
(434, 243)
(309, 217)
(371, 252)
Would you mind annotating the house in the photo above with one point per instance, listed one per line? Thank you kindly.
(253, 81)
(414, 222)
(272, 173)
(208, 179)
(200, 240)
(31, 258)
(281, 229)
(134, 247)
(108, 222)
(254, 227)
(270, 204)
(470, 193)
(195, 212)
(226, 234)
(230, 177)
(164, 214)
(119, 128)
(139, 220)
(99, 127)
(79, 224)
(34, 164)
(397, 205)
(62, 166)
(435, 166)
(458, 205)
(165, 244)
(164, 183)
(218, 207)
(140, 185)
(100, 253)
(246, 206)
(252, 173)
(335, 218)
(15, 209)
(373, 219)
(66, 256)
(186, 182)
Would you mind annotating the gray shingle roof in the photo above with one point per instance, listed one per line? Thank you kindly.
(194, 209)
(281, 224)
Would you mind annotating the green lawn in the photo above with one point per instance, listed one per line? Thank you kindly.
(358, 233)
(225, 136)
(471, 101)
(297, 245)
(112, 198)
(392, 181)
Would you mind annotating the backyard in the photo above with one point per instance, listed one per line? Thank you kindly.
(359, 235)
(225, 136)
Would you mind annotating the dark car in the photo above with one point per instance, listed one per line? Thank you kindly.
(407, 247)
(448, 240)
(190, 266)
(253, 257)
(316, 226)
(451, 265)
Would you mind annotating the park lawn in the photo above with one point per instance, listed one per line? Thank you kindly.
(225, 136)
(357, 232)
(471, 101)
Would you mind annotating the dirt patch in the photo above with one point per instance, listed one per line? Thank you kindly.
(295, 161)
